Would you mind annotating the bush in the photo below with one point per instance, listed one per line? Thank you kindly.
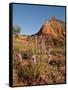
(26, 54)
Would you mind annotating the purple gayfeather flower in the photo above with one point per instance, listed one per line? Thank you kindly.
(33, 59)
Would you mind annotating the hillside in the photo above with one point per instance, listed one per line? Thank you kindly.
(54, 27)
(39, 59)
(53, 31)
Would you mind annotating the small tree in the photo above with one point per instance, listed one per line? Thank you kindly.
(16, 30)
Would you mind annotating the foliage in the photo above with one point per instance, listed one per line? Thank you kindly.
(16, 30)
(28, 73)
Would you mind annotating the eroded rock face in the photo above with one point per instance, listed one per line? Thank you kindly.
(53, 31)
(54, 27)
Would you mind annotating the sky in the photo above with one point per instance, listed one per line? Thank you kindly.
(31, 17)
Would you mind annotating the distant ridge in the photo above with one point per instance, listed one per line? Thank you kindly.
(52, 30)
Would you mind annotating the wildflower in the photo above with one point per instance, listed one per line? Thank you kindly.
(33, 59)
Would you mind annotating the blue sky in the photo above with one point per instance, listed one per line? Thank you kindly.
(31, 17)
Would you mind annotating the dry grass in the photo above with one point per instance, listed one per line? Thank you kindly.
(28, 73)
